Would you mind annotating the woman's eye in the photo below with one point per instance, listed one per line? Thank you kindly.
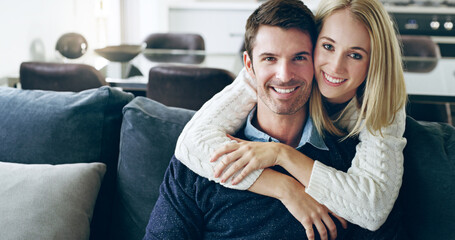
(327, 46)
(356, 56)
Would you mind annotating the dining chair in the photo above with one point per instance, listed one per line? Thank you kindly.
(421, 54)
(59, 76)
(175, 41)
(186, 86)
(189, 41)
(430, 111)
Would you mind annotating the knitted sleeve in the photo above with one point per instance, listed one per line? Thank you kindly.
(225, 113)
(365, 194)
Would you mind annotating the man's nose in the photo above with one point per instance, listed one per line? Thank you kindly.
(285, 71)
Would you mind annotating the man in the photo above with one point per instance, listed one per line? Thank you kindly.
(193, 207)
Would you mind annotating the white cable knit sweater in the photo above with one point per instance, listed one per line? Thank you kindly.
(364, 195)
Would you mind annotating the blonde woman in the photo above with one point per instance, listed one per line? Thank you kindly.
(360, 91)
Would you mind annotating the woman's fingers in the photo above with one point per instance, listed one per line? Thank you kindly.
(330, 225)
(245, 172)
(321, 230)
(234, 138)
(235, 167)
(227, 148)
(343, 222)
(309, 232)
(225, 161)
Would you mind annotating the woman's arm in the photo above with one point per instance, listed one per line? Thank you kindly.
(364, 195)
(206, 131)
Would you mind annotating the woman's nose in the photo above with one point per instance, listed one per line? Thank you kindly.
(338, 63)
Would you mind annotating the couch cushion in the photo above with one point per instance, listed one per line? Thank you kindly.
(46, 127)
(428, 190)
(148, 137)
(41, 201)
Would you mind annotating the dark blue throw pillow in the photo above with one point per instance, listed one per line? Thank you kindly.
(428, 190)
(148, 137)
(47, 127)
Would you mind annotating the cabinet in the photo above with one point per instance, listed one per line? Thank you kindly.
(222, 25)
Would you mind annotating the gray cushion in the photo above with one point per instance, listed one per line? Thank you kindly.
(149, 134)
(65, 127)
(41, 201)
(428, 190)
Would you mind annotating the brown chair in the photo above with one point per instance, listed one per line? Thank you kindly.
(59, 76)
(430, 111)
(190, 41)
(420, 53)
(186, 86)
(181, 41)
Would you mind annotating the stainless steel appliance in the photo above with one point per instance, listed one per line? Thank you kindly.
(436, 20)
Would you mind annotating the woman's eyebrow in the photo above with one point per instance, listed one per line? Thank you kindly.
(355, 48)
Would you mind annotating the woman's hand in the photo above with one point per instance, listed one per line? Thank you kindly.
(301, 205)
(309, 212)
(244, 154)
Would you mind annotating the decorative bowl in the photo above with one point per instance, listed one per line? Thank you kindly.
(120, 53)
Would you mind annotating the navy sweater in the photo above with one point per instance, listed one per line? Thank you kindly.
(192, 207)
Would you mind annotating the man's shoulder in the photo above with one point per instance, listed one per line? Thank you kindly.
(177, 168)
(341, 151)
(182, 174)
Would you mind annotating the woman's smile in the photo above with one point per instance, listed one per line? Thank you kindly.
(333, 80)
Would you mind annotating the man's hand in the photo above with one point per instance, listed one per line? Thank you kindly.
(245, 156)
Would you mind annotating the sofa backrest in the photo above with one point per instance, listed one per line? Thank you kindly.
(148, 137)
(428, 191)
(47, 127)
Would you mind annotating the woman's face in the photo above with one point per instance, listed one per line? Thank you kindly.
(341, 56)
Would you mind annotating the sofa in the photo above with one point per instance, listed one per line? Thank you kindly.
(88, 165)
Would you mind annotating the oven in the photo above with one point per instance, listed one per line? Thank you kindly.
(430, 78)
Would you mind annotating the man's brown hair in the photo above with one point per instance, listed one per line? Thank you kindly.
(285, 14)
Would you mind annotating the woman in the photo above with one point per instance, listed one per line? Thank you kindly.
(360, 91)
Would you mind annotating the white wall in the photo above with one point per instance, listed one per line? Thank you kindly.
(31, 28)
(142, 17)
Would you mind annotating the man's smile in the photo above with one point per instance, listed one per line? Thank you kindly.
(284, 90)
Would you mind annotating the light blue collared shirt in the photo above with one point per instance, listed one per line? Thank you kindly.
(310, 134)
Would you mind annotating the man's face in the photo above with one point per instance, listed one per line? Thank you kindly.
(283, 69)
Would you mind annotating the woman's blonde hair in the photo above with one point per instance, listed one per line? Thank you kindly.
(383, 93)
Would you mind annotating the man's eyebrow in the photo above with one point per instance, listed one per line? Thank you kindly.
(303, 53)
(355, 48)
(266, 54)
(296, 54)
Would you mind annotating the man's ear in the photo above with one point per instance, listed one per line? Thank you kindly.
(248, 64)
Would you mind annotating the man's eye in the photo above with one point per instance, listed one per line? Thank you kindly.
(269, 59)
(300, 58)
(356, 56)
(327, 46)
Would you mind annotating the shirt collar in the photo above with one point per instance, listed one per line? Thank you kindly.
(310, 134)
